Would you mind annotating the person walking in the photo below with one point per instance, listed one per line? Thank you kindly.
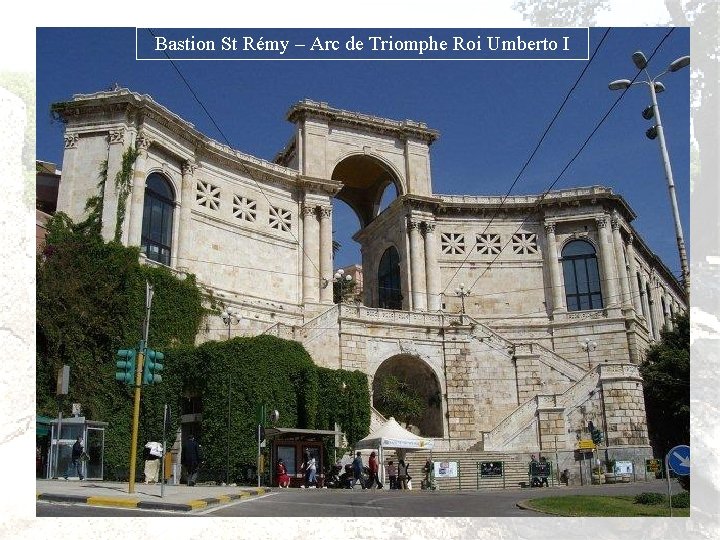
(152, 454)
(374, 466)
(191, 459)
(429, 480)
(403, 475)
(392, 474)
(357, 466)
(75, 463)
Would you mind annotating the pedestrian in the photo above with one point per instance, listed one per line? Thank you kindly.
(310, 467)
(191, 459)
(357, 466)
(152, 453)
(374, 466)
(75, 462)
(283, 477)
(392, 474)
(403, 476)
(429, 480)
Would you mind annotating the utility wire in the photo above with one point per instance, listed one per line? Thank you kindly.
(227, 141)
(537, 147)
(582, 147)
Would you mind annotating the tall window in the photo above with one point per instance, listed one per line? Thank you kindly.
(157, 219)
(582, 280)
(389, 280)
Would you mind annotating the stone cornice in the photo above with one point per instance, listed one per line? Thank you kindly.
(320, 109)
(138, 108)
(323, 185)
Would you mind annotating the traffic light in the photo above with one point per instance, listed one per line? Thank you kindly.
(597, 436)
(126, 366)
(152, 367)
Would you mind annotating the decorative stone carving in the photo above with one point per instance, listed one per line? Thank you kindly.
(142, 142)
(188, 167)
(550, 227)
(601, 222)
(325, 212)
(428, 227)
(280, 219)
(309, 210)
(71, 140)
(116, 136)
(452, 243)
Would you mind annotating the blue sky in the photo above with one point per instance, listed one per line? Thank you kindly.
(490, 114)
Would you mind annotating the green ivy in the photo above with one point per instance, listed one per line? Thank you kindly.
(90, 303)
(123, 184)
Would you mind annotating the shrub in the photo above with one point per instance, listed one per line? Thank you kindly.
(650, 498)
(681, 500)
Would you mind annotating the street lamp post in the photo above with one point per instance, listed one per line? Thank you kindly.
(230, 318)
(656, 131)
(588, 346)
(462, 293)
(342, 278)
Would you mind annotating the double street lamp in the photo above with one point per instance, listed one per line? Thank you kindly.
(588, 346)
(656, 131)
(342, 279)
(230, 318)
(462, 293)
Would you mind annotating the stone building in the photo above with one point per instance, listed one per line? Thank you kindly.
(564, 296)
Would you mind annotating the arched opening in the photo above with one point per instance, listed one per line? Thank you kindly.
(158, 208)
(582, 279)
(389, 290)
(364, 180)
(419, 391)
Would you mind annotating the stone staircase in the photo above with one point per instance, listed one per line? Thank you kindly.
(515, 469)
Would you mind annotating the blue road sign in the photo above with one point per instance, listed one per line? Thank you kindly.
(679, 460)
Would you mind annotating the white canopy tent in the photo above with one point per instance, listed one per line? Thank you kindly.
(392, 435)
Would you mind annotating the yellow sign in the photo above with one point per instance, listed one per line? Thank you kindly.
(586, 444)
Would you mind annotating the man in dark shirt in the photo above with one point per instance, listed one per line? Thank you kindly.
(191, 459)
(77, 451)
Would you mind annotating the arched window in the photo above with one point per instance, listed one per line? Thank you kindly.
(158, 219)
(582, 280)
(389, 280)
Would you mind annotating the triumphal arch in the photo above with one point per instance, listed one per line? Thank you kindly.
(507, 367)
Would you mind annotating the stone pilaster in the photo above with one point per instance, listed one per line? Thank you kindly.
(432, 271)
(606, 258)
(552, 432)
(632, 270)
(646, 305)
(417, 267)
(184, 248)
(551, 260)
(620, 263)
(137, 195)
(311, 252)
(326, 255)
(117, 139)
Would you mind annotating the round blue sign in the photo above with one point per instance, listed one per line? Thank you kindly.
(678, 460)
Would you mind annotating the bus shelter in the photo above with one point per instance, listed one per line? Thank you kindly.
(62, 441)
(291, 445)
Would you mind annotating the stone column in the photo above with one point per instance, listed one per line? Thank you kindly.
(551, 259)
(326, 255)
(606, 258)
(138, 191)
(620, 263)
(186, 203)
(310, 253)
(432, 271)
(417, 267)
(646, 305)
(632, 270)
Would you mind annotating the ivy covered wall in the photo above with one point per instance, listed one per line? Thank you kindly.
(90, 303)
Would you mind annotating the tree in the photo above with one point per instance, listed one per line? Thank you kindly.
(666, 374)
(396, 398)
